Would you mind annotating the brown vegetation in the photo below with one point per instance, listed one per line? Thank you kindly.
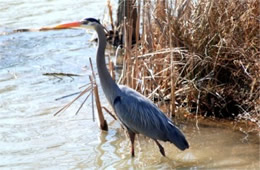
(201, 55)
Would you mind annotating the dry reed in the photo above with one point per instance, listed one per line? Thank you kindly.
(201, 55)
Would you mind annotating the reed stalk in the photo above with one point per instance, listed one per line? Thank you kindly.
(204, 55)
(102, 122)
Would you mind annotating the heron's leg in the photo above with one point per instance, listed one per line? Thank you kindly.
(160, 147)
(132, 139)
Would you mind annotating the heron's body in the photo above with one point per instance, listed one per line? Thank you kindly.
(140, 115)
(137, 113)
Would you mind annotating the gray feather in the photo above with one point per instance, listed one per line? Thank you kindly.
(140, 115)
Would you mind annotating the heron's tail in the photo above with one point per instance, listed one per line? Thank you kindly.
(176, 137)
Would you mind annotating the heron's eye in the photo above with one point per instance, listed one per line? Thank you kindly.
(86, 22)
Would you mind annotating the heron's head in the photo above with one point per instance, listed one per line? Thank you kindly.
(88, 23)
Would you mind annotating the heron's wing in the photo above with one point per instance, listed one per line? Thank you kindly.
(140, 115)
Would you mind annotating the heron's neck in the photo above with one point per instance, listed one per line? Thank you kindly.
(109, 86)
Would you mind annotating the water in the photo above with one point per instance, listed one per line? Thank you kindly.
(32, 138)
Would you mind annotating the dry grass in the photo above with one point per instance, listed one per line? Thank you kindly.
(202, 56)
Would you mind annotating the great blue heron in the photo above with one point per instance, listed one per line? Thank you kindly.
(136, 112)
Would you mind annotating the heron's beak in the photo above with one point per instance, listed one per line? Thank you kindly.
(68, 25)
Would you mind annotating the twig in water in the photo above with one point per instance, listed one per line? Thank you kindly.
(58, 75)
(69, 95)
(109, 112)
(102, 121)
(61, 74)
(70, 103)
(92, 99)
(91, 92)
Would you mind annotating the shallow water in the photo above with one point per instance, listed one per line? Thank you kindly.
(32, 138)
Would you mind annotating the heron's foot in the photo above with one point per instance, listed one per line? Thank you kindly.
(132, 152)
(160, 147)
(132, 139)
